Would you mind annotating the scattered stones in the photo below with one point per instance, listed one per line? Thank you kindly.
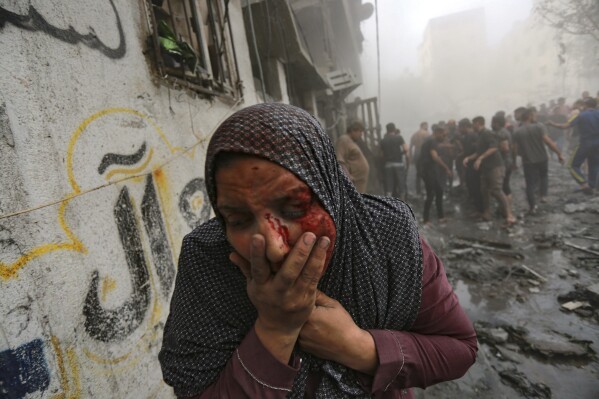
(563, 273)
(588, 206)
(573, 273)
(499, 335)
(491, 335)
(572, 305)
(507, 355)
(556, 346)
(573, 208)
(520, 383)
(547, 240)
(461, 251)
(548, 345)
(584, 301)
(484, 226)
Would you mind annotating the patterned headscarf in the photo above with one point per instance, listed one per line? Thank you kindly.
(375, 271)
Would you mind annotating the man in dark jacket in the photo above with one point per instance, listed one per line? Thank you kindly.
(397, 160)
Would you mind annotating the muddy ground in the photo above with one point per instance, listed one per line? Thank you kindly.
(514, 284)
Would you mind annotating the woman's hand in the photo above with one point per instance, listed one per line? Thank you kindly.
(330, 333)
(285, 299)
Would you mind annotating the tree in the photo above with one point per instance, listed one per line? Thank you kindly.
(576, 17)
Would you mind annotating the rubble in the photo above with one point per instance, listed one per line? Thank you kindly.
(587, 206)
(584, 301)
(527, 290)
(499, 335)
(547, 345)
(556, 346)
(588, 251)
(573, 305)
(520, 383)
(546, 240)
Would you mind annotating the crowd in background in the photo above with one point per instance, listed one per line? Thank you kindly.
(481, 159)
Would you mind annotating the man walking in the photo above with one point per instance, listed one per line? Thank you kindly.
(397, 161)
(529, 142)
(487, 160)
(351, 158)
(587, 125)
(429, 160)
(472, 176)
(416, 142)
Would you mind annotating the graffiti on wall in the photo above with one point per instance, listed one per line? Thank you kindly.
(193, 203)
(145, 205)
(114, 324)
(33, 21)
(157, 234)
(24, 370)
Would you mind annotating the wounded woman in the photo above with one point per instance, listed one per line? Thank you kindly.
(301, 287)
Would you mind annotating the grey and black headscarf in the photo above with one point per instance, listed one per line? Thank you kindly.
(375, 271)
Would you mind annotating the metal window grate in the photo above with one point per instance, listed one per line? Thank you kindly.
(193, 45)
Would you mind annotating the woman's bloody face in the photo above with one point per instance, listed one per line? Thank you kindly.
(256, 196)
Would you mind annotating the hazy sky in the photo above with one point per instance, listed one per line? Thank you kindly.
(402, 24)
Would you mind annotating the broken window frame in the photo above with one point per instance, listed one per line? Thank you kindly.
(221, 55)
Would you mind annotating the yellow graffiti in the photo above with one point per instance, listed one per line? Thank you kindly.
(79, 131)
(98, 359)
(10, 270)
(165, 200)
(197, 202)
(74, 366)
(69, 391)
(108, 285)
(131, 171)
(64, 380)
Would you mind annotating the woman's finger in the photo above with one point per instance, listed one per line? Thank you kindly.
(296, 260)
(260, 269)
(312, 271)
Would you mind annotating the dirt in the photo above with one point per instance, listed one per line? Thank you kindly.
(517, 286)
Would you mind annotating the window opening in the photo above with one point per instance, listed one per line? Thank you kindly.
(193, 44)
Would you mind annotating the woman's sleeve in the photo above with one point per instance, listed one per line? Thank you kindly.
(440, 346)
(252, 372)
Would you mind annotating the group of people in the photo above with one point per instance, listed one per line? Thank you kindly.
(482, 157)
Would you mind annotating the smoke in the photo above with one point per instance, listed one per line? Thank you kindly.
(447, 60)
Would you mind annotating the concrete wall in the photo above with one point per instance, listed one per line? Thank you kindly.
(101, 175)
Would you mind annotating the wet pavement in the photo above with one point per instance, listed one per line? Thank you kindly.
(517, 285)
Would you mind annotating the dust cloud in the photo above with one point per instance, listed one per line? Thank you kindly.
(450, 60)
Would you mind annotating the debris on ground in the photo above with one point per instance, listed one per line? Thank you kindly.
(549, 345)
(520, 383)
(578, 247)
(573, 305)
(508, 280)
(547, 240)
(584, 301)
